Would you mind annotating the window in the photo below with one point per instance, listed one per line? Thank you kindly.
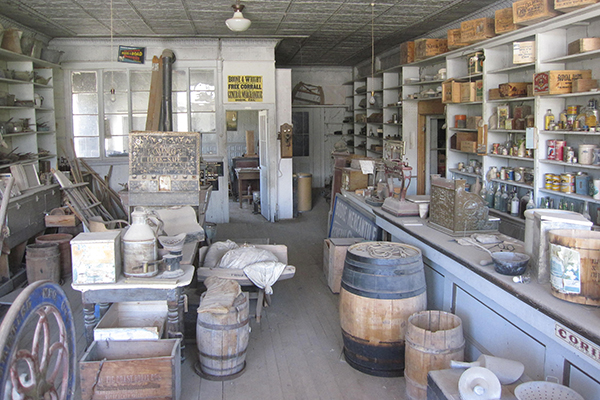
(102, 119)
(300, 135)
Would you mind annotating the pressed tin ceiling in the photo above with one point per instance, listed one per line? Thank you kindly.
(312, 32)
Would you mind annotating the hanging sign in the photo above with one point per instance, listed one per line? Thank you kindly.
(244, 88)
(134, 55)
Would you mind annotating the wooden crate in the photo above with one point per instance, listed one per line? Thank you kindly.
(584, 85)
(513, 89)
(459, 137)
(454, 40)
(425, 48)
(558, 82)
(572, 5)
(138, 370)
(523, 52)
(504, 21)
(334, 255)
(407, 53)
(133, 320)
(583, 45)
(451, 91)
(529, 12)
(468, 146)
(96, 257)
(476, 30)
(468, 92)
(353, 179)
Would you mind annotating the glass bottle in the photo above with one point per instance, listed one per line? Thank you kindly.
(489, 197)
(498, 198)
(586, 211)
(591, 115)
(483, 192)
(548, 119)
(505, 202)
(514, 204)
(562, 119)
(530, 203)
(523, 204)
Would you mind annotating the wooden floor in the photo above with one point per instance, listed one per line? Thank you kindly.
(296, 350)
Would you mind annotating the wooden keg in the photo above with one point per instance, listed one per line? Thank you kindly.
(574, 261)
(64, 246)
(433, 338)
(222, 341)
(383, 284)
(42, 262)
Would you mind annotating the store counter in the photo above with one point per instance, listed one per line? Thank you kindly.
(525, 322)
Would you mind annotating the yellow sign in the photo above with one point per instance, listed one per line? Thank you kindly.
(244, 88)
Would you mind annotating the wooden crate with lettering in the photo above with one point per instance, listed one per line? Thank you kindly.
(353, 179)
(137, 370)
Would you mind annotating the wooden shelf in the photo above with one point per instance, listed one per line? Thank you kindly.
(514, 68)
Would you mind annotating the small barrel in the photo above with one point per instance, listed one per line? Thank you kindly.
(64, 247)
(383, 284)
(433, 338)
(222, 341)
(574, 255)
(42, 262)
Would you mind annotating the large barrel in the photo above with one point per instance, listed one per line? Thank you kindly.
(574, 255)
(383, 284)
(433, 338)
(64, 247)
(42, 262)
(222, 341)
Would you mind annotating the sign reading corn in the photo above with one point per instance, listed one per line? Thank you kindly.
(244, 88)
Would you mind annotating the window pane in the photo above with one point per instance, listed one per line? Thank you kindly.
(85, 125)
(117, 146)
(300, 145)
(180, 122)
(140, 80)
(83, 82)
(117, 106)
(85, 103)
(202, 80)
(179, 83)
(87, 147)
(116, 80)
(209, 143)
(139, 122)
(179, 101)
(203, 122)
(116, 125)
(139, 101)
(202, 101)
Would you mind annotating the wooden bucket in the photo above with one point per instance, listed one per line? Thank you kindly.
(433, 338)
(222, 341)
(42, 262)
(64, 247)
(383, 284)
(575, 265)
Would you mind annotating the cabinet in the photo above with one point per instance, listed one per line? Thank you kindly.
(32, 110)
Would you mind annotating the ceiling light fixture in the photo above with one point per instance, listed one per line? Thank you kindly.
(238, 23)
(372, 100)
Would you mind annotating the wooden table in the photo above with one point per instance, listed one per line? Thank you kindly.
(136, 289)
(245, 176)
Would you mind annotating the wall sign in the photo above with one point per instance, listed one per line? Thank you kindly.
(349, 221)
(583, 345)
(134, 55)
(244, 88)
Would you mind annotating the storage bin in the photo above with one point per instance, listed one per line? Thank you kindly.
(96, 257)
(133, 321)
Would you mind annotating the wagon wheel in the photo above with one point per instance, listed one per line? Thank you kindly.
(37, 345)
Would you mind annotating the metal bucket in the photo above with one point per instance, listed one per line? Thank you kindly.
(43, 262)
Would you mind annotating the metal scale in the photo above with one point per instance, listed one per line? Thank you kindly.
(395, 168)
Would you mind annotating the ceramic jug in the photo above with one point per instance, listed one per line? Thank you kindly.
(139, 247)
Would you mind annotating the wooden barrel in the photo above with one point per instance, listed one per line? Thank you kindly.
(42, 262)
(222, 341)
(64, 247)
(574, 258)
(383, 284)
(433, 338)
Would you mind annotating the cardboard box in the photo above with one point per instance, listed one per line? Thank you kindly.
(454, 41)
(583, 45)
(334, 256)
(557, 82)
(504, 21)
(467, 92)
(139, 369)
(494, 94)
(96, 257)
(459, 137)
(476, 30)
(468, 146)
(523, 52)
(451, 91)
(353, 179)
(521, 111)
(584, 85)
(529, 12)
(473, 122)
(513, 89)
(571, 5)
(133, 320)
(425, 48)
(479, 90)
(407, 53)
(475, 63)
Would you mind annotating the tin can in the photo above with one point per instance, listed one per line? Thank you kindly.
(503, 174)
(551, 149)
(510, 174)
(548, 181)
(556, 182)
(520, 174)
(567, 183)
(560, 150)
(582, 183)
(569, 155)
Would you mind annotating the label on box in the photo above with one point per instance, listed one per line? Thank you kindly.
(523, 52)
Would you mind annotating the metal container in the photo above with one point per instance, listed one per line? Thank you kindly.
(556, 183)
(139, 247)
(582, 183)
(96, 257)
(567, 183)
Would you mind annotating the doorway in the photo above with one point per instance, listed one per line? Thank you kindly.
(435, 136)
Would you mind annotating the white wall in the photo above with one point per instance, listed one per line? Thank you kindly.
(330, 79)
(284, 116)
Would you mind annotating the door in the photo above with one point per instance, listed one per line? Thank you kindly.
(265, 206)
